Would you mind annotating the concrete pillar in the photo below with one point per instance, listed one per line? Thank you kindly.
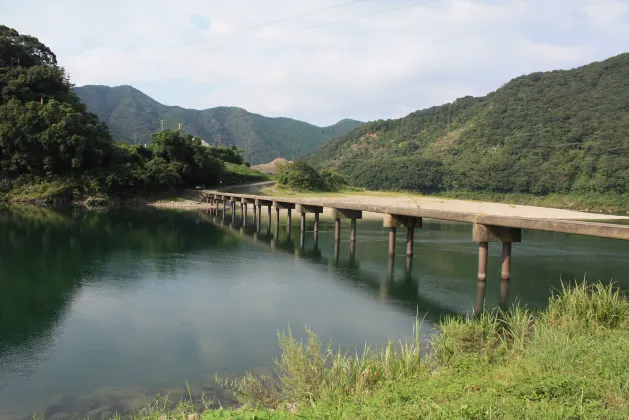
(269, 215)
(277, 216)
(336, 252)
(505, 274)
(244, 214)
(352, 235)
(255, 213)
(290, 218)
(337, 230)
(224, 207)
(302, 223)
(302, 230)
(392, 233)
(316, 240)
(259, 218)
(316, 222)
(506, 262)
(410, 234)
(483, 250)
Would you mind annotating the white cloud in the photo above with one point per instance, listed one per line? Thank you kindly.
(375, 67)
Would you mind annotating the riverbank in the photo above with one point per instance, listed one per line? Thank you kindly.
(567, 361)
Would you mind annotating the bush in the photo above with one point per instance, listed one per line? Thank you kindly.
(301, 177)
(334, 180)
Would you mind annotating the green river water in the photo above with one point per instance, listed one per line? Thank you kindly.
(102, 311)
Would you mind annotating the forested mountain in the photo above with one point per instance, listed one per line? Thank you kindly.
(130, 114)
(561, 131)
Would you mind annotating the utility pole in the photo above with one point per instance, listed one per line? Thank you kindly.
(15, 60)
(162, 122)
(179, 127)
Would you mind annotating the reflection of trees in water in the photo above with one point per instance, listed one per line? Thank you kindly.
(45, 255)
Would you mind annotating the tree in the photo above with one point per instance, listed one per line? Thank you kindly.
(27, 49)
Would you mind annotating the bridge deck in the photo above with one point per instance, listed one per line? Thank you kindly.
(602, 230)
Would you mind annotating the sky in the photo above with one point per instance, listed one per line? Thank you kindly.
(319, 60)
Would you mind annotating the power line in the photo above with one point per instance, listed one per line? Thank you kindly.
(285, 19)
(408, 6)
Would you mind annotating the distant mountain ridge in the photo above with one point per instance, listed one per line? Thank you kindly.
(564, 131)
(132, 115)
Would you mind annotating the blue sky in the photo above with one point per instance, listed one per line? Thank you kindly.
(206, 53)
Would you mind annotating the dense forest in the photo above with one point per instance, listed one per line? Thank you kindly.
(131, 115)
(555, 132)
(47, 137)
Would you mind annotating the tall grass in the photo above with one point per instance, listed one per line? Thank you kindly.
(306, 370)
(590, 306)
(569, 360)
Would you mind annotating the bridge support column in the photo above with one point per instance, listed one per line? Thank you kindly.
(316, 222)
(352, 234)
(244, 215)
(277, 216)
(392, 222)
(392, 235)
(505, 276)
(483, 234)
(410, 235)
(339, 214)
(290, 219)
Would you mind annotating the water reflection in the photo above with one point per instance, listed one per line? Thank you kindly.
(104, 310)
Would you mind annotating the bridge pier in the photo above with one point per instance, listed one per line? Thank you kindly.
(303, 210)
(392, 235)
(339, 214)
(484, 234)
(392, 222)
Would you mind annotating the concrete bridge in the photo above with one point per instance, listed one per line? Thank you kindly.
(486, 228)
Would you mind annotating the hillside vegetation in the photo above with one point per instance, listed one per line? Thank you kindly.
(130, 114)
(556, 132)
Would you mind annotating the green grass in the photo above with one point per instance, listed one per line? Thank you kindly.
(241, 174)
(570, 360)
(587, 201)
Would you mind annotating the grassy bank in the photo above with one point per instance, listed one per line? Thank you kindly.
(76, 191)
(585, 202)
(570, 360)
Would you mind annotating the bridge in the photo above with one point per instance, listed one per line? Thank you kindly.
(487, 228)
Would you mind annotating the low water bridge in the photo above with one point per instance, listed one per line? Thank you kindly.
(486, 228)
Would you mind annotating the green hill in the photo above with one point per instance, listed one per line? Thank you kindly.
(130, 114)
(555, 132)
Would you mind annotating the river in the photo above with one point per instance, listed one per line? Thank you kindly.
(101, 311)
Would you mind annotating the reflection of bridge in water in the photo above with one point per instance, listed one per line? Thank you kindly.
(404, 293)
